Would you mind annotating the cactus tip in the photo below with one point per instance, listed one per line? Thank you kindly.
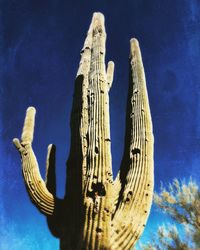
(134, 41)
(134, 46)
(98, 19)
(29, 109)
(16, 143)
(111, 63)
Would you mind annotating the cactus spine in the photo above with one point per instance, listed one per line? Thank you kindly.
(97, 212)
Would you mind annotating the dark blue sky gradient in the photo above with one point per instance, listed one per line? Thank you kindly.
(40, 45)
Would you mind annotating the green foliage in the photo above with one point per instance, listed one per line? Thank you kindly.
(181, 202)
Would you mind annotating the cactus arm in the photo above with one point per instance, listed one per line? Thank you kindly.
(35, 185)
(56, 220)
(135, 179)
(50, 179)
(110, 73)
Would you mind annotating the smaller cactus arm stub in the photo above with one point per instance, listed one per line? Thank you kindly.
(110, 73)
(134, 182)
(35, 185)
(50, 179)
(56, 221)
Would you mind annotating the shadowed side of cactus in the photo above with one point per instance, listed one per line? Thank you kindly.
(97, 212)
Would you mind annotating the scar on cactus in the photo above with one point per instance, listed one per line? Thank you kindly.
(97, 211)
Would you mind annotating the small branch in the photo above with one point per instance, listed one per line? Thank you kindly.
(50, 169)
(110, 73)
(35, 185)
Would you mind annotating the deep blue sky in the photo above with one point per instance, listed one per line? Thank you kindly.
(40, 43)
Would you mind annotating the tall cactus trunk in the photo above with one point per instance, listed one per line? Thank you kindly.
(97, 211)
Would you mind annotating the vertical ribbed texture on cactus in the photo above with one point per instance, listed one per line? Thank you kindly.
(97, 212)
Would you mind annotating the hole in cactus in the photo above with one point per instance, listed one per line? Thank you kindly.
(106, 209)
(108, 173)
(82, 51)
(99, 230)
(98, 189)
(129, 195)
(96, 150)
(107, 139)
(135, 151)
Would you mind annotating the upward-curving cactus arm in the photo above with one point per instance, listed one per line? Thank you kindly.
(35, 185)
(135, 179)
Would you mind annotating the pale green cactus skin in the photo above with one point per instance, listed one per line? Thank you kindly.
(97, 212)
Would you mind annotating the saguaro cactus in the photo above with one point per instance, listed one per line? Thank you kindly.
(97, 211)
